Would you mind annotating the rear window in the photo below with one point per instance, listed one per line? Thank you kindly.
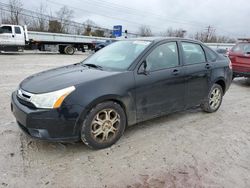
(241, 48)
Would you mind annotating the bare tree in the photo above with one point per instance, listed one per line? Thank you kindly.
(64, 17)
(175, 33)
(145, 31)
(38, 21)
(15, 7)
(209, 37)
(88, 27)
(98, 33)
(42, 23)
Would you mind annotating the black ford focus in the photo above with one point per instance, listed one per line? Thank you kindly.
(125, 83)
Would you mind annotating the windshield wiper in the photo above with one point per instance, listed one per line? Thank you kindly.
(93, 66)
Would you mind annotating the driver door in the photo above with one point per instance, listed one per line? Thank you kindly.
(161, 89)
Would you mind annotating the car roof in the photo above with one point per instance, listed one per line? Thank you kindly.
(158, 39)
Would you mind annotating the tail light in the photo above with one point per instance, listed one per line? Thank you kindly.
(230, 64)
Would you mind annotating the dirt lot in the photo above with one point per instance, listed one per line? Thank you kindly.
(187, 149)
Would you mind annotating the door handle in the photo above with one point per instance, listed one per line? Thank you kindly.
(175, 72)
(208, 66)
(13, 36)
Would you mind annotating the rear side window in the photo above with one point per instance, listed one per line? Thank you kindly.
(193, 53)
(6, 29)
(211, 56)
(241, 48)
(17, 30)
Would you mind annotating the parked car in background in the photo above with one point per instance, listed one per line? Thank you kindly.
(123, 84)
(102, 45)
(240, 58)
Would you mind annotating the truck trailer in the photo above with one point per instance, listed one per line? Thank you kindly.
(18, 38)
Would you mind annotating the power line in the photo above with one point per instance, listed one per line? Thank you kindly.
(133, 11)
(100, 14)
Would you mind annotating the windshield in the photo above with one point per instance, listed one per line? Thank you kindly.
(118, 56)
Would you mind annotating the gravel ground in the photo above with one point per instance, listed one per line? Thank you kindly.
(186, 149)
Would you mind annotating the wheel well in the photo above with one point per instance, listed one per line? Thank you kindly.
(113, 100)
(222, 84)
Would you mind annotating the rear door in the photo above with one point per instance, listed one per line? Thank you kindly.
(7, 36)
(161, 90)
(197, 73)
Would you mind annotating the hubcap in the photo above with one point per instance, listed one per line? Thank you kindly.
(215, 98)
(105, 125)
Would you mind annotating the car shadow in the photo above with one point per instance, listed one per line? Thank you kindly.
(131, 132)
(245, 82)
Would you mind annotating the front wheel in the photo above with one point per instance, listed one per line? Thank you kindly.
(214, 99)
(104, 125)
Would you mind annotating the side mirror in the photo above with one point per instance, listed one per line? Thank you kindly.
(143, 68)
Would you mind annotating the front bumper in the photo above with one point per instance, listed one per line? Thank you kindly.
(52, 124)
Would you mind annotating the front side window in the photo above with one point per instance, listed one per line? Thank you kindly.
(17, 30)
(193, 53)
(5, 29)
(118, 55)
(163, 56)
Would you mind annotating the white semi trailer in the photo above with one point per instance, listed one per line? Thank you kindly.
(16, 38)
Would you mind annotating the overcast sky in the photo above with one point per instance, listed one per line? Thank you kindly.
(227, 17)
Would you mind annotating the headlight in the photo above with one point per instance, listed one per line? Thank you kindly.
(51, 100)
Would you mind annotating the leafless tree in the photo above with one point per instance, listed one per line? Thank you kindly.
(65, 16)
(208, 37)
(145, 31)
(42, 22)
(175, 33)
(15, 8)
(88, 27)
(39, 20)
(98, 33)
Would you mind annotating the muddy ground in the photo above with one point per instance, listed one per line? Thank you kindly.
(186, 149)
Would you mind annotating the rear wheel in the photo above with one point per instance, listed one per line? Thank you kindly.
(69, 50)
(214, 99)
(104, 125)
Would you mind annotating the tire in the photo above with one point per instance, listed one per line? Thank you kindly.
(214, 99)
(69, 50)
(104, 125)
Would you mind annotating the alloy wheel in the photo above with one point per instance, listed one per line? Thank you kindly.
(215, 98)
(105, 125)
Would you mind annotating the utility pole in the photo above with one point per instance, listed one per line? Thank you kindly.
(209, 33)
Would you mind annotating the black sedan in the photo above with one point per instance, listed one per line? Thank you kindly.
(123, 84)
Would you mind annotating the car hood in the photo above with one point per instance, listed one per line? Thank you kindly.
(62, 77)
